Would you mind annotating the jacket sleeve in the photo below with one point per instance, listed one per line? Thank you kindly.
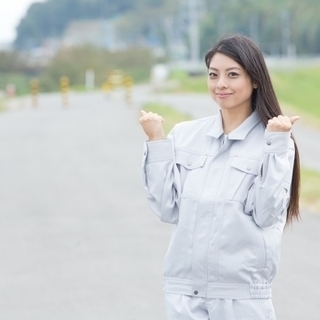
(161, 179)
(269, 196)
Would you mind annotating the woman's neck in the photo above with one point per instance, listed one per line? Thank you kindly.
(232, 119)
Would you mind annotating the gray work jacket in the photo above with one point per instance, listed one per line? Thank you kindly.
(227, 197)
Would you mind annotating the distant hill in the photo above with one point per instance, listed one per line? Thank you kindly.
(279, 27)
(49, 19)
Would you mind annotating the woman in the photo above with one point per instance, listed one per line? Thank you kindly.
(229, 183)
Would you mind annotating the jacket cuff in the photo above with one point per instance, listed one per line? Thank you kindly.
(276, 142)
(159, 150)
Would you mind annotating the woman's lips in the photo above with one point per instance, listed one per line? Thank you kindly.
(223, 95)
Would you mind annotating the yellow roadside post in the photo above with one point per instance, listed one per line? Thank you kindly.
(64, 88)
(34, 89)
(128, 89)
(115, 82)
(115, 79)
(106, 87)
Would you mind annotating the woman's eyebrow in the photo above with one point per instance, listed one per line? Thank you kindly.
(228, 69)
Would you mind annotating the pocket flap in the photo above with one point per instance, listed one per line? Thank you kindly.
(246, 165)
(190, 160)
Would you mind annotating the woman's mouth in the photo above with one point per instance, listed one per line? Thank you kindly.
(223, 95)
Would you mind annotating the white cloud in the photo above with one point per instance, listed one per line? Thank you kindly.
(10, 14)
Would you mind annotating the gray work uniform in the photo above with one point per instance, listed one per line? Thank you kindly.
(227, 198)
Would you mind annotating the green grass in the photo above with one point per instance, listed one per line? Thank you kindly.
(170, 115)
(21, 82)
(310, 189)
(298, 92)
(1, 104)
(297, 89)
(186, 83)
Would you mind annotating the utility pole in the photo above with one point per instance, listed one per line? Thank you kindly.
(188, 19)
(194, 33)
(182, 31)
(168, 27)
(222, 24)
(287, 47)
(254, 28)
(220, 17)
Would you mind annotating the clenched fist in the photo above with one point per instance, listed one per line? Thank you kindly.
(281, 123)
(152, 125)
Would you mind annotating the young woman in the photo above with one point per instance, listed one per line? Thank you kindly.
(228, 183)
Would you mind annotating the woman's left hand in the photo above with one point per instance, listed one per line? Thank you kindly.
(281, 123)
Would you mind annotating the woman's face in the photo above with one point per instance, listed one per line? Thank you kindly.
(229, 84)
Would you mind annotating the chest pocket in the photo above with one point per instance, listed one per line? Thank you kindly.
(190, 165)
(242, 174)
(190, 160)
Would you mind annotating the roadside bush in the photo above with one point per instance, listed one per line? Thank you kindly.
(73, 63)
(20, 81)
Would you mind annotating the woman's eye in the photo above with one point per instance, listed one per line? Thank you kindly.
(212, 75)
(233, 74)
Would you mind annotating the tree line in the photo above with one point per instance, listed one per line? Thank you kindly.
(49, 19)
(277, 25)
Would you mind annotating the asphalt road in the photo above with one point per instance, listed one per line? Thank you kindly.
(77, 240)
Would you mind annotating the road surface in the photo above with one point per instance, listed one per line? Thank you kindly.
(77, 239)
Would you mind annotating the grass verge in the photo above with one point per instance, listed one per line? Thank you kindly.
(170, 115)
(21, 82)
(310, 180)
(186, 83)
(310, 190)
(298, 93)
(297, 90)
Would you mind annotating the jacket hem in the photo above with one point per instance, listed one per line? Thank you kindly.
(218, 290)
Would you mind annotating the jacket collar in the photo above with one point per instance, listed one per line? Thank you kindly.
(239, 133)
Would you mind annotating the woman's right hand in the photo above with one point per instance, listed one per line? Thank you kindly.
(281, 123)
(152, 125)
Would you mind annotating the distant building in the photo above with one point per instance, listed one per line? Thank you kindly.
(98, 33)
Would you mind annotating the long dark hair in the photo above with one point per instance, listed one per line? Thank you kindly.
(245, 52)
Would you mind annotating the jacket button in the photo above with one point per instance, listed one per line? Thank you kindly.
(196, 292)
(268, 143)
(249, 168)
(189, 164)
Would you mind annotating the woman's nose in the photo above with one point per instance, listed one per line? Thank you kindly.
(222, 83)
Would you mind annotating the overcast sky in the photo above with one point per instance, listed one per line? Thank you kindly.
(10, 14)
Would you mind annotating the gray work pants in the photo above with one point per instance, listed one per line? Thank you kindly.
(182, 307)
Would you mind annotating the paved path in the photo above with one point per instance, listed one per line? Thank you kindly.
(77, 240)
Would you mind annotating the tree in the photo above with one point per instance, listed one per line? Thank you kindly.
(262, 20)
